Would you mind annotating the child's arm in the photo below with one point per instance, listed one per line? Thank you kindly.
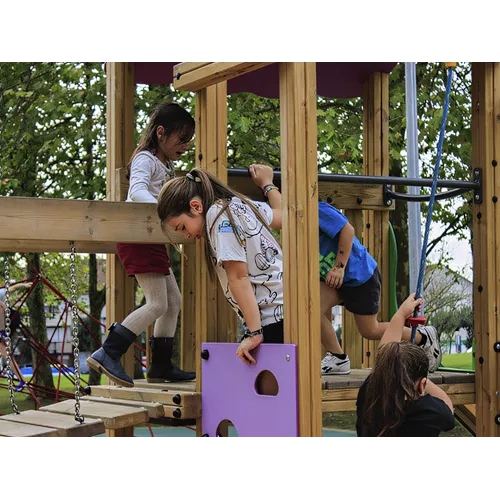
(394, 332)
(262, 175)
(242, 291)
(432, 389)
(335, 277)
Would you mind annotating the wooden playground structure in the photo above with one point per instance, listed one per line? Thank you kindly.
(95, 226)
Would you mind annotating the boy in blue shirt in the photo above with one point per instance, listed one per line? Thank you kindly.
(350, 277)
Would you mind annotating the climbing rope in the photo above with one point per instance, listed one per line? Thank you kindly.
(416, 319)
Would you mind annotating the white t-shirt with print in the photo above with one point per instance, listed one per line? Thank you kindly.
(261, 252)
(147, 176)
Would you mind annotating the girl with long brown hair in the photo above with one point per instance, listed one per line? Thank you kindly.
(166, 137)
(398, 399)
(240, 247)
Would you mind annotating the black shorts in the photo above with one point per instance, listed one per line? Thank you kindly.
(363, 299)
(274, 333)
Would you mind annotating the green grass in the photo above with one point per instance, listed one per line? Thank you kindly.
(25, 402)
(462, 361)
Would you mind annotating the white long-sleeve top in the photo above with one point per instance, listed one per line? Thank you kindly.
(147, 176)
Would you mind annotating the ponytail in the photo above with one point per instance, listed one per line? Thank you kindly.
(177, 193)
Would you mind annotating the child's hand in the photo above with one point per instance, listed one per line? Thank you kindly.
(335, 277)
(246, 346)
(261, 174)
(409, 305)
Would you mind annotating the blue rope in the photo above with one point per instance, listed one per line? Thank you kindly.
(433, 194)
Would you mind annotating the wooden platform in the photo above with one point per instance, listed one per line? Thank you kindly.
(340, 391)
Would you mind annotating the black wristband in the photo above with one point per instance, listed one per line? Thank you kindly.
(248, 334)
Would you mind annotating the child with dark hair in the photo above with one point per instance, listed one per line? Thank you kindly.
(166, 137)
(397, 398)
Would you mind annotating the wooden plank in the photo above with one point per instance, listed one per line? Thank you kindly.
(113, 416)
(300, 234)
(186, 67)
(486, 224)
(342, 195)
(212, 73)
(175, 398)
(376, 162)
(334, 406)
(189, 386)
(155, 410)
(352, 341)
(55, 246)
(50, 219)
(465, 417)
(192, 410)
(66, 425)
(14, 429)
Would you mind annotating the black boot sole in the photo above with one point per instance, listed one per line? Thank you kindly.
(96, 366)
(163, 380)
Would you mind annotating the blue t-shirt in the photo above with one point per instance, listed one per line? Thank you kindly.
(361, 264)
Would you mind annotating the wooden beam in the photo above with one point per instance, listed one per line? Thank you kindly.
(352, 341)
(376, 162)
(341, 195)
(197, 76)
(55, 246)
(300, 235)
(120, 141)
(486, 258)
(82, 221)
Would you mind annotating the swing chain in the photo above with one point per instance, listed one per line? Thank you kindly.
(76, 341)
(7, 335)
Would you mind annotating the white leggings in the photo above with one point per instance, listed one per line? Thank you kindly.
(163, 304)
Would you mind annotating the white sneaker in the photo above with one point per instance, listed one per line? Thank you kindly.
(331, 365)
(431, 347)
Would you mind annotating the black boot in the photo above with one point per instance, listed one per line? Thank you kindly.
(107, 358)
(162, 368)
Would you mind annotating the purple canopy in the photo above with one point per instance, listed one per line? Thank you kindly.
(334, 79)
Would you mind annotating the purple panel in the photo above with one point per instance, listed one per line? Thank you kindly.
(334, 79)
(229, 391)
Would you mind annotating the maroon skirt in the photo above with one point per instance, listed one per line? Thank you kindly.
(140, 259)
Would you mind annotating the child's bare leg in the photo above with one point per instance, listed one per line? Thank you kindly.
(371, 329)
(329, 298)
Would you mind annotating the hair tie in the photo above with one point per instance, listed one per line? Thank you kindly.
(190, 176)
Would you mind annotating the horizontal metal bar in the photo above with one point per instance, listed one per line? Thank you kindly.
(425, 197)
(368, 179)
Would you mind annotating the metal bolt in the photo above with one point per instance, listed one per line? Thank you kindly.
(497, 419)
(177, 413)
(496, 346)
(178, 75)
(329, 199)
(368, 225)
(288, 357)
(480, 288)
(479, 215)
(481, 360)
(200, 156)
(388, 203)
(205, 354)
(494, 199)
(494, 163)
(359, 201)
(476, 197)
(368, 354)
(177, 399)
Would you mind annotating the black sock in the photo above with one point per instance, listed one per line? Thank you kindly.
(340, 356)
(424, 340)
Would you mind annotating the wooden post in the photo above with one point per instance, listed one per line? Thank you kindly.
(486, 239)
(120, 90)
(352, 341)
(214, 320)
(376, 162)
(300, 235)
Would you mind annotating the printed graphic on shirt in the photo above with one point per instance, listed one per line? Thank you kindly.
(258, 249)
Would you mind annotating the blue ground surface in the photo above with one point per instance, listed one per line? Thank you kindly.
(184, 432)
